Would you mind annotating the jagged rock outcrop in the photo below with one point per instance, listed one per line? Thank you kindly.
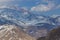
(54, 34)
(11, 32)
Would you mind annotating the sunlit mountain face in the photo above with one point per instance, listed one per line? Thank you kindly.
(34, 17)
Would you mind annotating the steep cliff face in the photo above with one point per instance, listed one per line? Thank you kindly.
(10, 32)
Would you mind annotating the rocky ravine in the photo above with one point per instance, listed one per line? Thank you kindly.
(11, 32)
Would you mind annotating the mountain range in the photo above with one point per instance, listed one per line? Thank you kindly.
(27, 21)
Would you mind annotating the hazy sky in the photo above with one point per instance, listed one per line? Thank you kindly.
(46, 7)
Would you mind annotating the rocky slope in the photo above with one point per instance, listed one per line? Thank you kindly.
(11, 32)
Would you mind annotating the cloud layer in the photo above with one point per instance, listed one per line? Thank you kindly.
(42, 7)
(6, 0)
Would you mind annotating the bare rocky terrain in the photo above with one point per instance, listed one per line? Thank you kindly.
(11, 32)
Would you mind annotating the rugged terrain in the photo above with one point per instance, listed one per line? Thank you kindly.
(11, 32)
(33, 24)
